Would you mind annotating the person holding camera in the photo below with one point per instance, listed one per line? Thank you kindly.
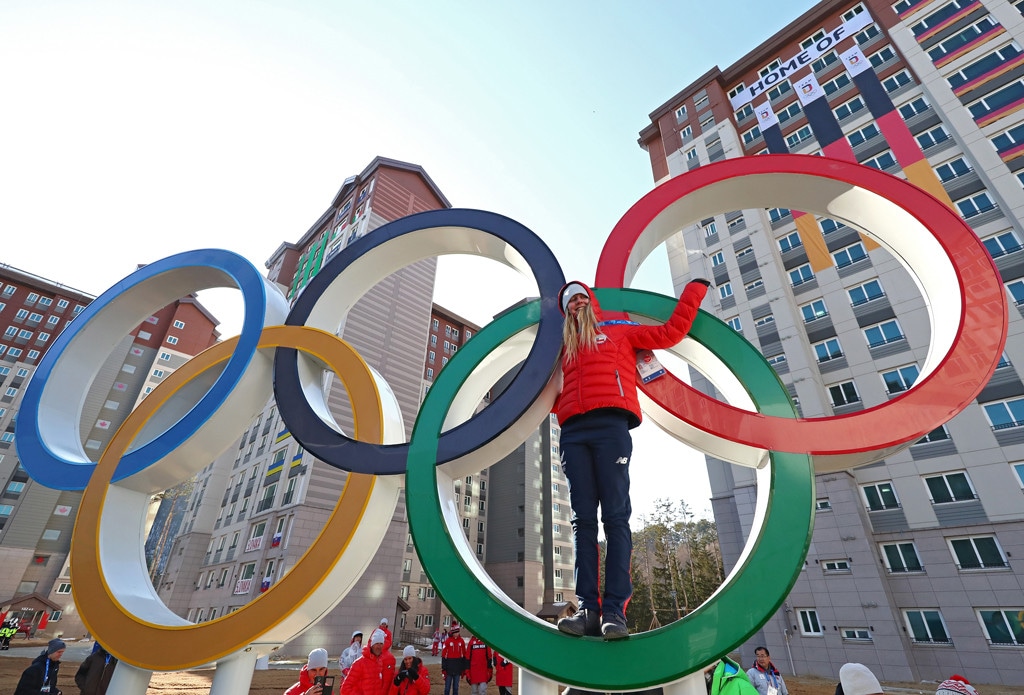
(311, 676)
(412, 678)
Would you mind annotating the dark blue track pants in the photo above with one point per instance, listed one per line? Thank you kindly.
(596, 448)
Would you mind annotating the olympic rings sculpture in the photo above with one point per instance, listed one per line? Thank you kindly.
(194, 415)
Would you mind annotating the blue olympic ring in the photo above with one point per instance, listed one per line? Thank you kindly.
(50, 451)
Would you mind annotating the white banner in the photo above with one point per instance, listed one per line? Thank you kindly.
(855, 61)
(812, 53)
(808, 89)
(766, 117)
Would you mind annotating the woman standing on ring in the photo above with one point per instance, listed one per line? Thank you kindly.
(596, 409)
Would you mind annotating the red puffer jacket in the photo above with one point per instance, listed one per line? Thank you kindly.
(479, 661)
(502, 671)
(364, 676)
(606, 377)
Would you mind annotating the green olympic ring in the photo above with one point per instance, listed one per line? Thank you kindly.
(754, 589)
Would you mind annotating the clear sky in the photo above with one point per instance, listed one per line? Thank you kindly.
(134, 130)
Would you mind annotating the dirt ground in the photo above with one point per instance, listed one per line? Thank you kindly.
(274, 681)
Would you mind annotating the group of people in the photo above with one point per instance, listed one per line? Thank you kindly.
(474, 661)
(854, 679)
(92, 677)
(8, 629)
(373, 670)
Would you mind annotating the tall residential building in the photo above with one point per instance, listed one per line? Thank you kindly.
(36, 522)
(915, 567)
(256, 509)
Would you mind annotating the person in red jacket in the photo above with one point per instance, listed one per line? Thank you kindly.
(596, 408)
(412, 678)
(383, 627)
(503, 674)
(364, 678)
(479, 673)
(387, 669)
(316, 665)
(453, 660)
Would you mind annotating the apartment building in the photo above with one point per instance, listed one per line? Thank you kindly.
(915, 566)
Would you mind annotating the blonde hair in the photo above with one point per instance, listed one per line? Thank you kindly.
(579, 332)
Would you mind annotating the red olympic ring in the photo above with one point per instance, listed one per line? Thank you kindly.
(850, 439)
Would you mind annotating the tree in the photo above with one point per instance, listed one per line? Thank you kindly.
(677, 565)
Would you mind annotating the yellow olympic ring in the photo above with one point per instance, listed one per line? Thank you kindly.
(107, 609)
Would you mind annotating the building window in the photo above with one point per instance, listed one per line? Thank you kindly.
(861, 294)
(1005, 414)
(753, 285)
(990, 103)
(172, 340)
(1002, 625)
(750, 135)
(881, 162)
(883, 55)
(949, 170)
(179, 324)
(828, 350)
(848, 108)
(822, 504)
(962, 38)
(900, 379)
(974, 205)
(800, 275)
(939, 434)
(707, 123)
(710, 229)
(932, 137)
(883, 333)
(717, 259)
(835, 84)
(839, 566)
(926, 626)
(1002, 243)
(1018, 468)
(843, 394)
(901, 557)
(686, 133)
(725, 290)
(779, 90)
(809, 624)
(859, 137)
(681, 114)
(950, 487)
(691, 154)
(855, 634)
(701, 103)
(64, 588)
(814, 310)
(790, 242)
(1009, 139)
(977, 552)
(880, 496)
(735, 324)
(914, 107)
(799, 136)
(849, 255)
